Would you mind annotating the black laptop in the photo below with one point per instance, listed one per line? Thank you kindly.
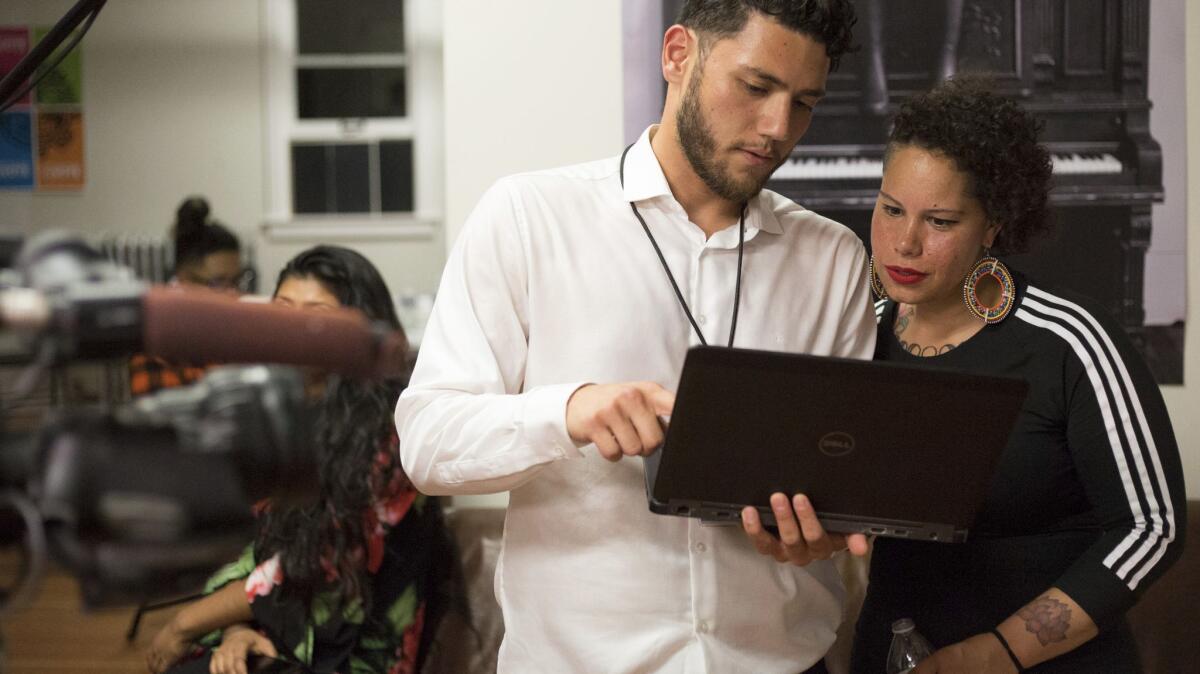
(880, 448)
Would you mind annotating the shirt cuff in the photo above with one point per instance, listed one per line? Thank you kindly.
(544, 418)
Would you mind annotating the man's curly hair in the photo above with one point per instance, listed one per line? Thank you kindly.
(827, 21)
(995, 143)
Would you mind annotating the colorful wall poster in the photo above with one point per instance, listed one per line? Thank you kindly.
(60, 150)
(16, 149)
(41, 137)
(64, 84)
(14, 44)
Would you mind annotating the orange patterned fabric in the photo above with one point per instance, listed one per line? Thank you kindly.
(148, 374)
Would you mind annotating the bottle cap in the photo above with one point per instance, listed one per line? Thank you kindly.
(903, 626)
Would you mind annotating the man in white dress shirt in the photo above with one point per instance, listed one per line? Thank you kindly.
(560, 331)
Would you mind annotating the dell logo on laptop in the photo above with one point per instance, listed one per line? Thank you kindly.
(836, 444)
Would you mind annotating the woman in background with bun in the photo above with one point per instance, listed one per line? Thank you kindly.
(207, 254)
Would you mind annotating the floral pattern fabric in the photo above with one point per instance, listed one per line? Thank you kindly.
(331, 636)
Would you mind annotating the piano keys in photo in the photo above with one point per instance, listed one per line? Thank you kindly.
(1080, 66)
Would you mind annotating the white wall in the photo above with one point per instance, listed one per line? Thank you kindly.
(1166, 259)
(1184, 401)
(642, 29)
(530, 84)
(172, 106)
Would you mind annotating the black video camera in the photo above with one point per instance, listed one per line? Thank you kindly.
(146, 499)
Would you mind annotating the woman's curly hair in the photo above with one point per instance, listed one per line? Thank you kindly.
(995, 143)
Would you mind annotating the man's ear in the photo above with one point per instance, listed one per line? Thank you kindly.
(680, 45)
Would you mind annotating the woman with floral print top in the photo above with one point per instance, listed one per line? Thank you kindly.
(345, 584)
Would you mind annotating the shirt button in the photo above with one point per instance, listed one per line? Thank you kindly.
(700, 547)
(702, 627)
(701, 319)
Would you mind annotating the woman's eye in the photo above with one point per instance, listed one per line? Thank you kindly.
(939, 222)
(754, 89)
(891, 210)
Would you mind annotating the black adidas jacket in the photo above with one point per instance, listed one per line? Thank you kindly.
(1088, 495)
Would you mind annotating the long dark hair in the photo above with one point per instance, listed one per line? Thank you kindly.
(197, 235)
(352, 433)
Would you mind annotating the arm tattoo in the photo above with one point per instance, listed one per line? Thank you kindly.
(1048, 618)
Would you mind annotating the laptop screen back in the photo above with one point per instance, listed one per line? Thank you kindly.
(861, 439)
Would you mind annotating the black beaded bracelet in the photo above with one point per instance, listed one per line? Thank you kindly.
(1007, 649)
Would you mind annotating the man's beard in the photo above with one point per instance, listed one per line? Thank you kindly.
(700, 148)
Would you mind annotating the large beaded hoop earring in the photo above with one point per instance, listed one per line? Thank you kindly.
(876, 284)
(989, 269)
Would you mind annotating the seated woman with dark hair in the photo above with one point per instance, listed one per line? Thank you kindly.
(349, 584)
(1087, 506)
(207, 254)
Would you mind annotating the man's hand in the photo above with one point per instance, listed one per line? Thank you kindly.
(237, 644)
(801, 539)
(980, 654)
(621, 419)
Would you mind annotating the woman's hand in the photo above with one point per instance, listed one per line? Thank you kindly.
(238, 643)
(980, 654)
(168, 646)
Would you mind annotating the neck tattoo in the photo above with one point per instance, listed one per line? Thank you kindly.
(912, 347)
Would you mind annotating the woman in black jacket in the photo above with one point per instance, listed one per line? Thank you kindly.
(1087, 505)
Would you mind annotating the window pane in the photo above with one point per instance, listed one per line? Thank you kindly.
(350, 92)
(330, 179)
(309, 188)
(350, 27)
(352, 176)
(396, 175)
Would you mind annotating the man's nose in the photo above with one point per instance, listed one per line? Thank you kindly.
(775, 119)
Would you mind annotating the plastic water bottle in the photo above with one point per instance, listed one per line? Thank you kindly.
(908, 647)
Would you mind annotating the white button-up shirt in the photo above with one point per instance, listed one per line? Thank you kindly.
(553, 284)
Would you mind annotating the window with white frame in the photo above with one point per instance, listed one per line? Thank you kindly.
(353, 112)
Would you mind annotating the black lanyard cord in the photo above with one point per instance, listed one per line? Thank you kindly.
(737, 291)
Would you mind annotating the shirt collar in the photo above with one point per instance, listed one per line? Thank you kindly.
(644, 179)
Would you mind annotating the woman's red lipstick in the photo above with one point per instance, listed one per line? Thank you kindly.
(905, 276)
